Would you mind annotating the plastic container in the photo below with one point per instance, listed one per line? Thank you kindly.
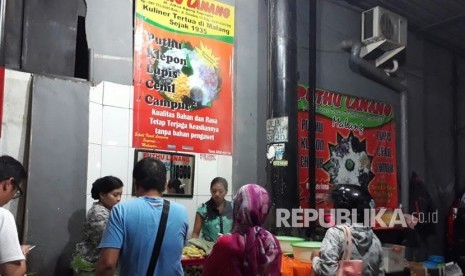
(436, 258)
(430, 264)
(393, 257)
(285, 242)
(303, 250)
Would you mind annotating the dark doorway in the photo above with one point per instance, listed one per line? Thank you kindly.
(81, 65)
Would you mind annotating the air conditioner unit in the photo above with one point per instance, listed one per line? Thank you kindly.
(383, 30)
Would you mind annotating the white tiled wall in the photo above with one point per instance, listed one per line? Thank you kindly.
(116, 95)
(129, 170)
(115, 162)
(225, 170)
(205, 171)
(111, 152)
(94, 165)
(96, 94)
(191, 206)
(95, 124)
(89, 201)
(115, 127)
(16, 97)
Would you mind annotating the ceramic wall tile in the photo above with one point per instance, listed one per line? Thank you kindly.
(129, 197)
(131, 116)
(94, 165)
(16, 99)
(202, 199)
(115, 126)
(115, 162)
(89, 202)
(96, 93)
(131, 97)
(225, 169)
(95, 123)
(125, 197)
(191, 207)
(171, 199)
(116, 95)
(206, 168)
(128, 185)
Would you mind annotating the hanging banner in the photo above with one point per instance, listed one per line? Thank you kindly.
(182, 76)
(354, 144)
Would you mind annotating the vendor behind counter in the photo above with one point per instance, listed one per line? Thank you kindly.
(214, 217)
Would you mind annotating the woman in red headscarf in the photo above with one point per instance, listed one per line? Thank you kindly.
(249, 249)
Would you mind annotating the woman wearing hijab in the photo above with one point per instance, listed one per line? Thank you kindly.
(249, 249)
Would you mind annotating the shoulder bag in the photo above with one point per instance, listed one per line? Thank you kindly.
(159, 239)
(348, 267)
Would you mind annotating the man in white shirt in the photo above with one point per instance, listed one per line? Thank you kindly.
(12, 176)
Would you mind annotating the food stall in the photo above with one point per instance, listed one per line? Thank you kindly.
(193, 256)
(195, 253)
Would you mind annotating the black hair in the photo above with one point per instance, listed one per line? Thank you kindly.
(105, 185)
(176, 185)
(150, 173)
(219, 180)
(10, 167)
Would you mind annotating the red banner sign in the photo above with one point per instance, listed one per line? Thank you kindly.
(182, 77)
(354, 144)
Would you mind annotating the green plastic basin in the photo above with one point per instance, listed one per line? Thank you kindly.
(286, 241)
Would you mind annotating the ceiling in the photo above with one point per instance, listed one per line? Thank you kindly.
(438, 21)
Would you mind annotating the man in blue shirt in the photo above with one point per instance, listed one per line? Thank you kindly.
(132, 228)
